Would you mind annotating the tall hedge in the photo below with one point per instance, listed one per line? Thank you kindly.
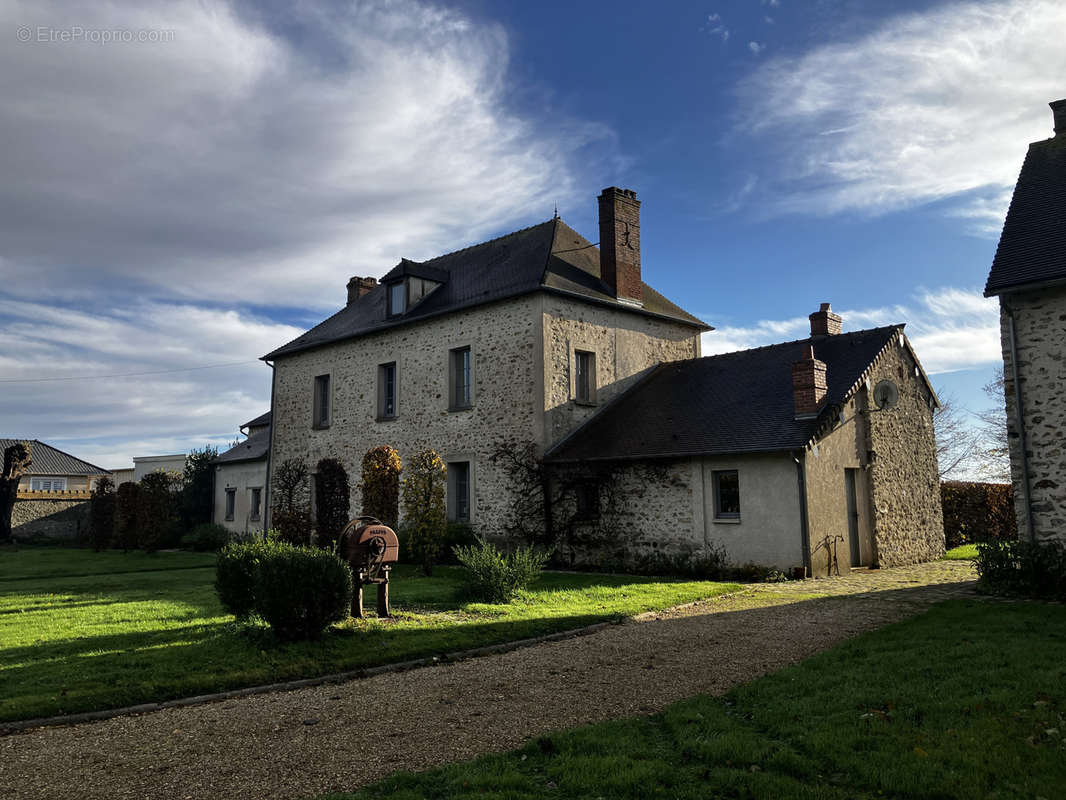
(381, 484)
(332, 501)
(425, 518)
(977, 512)
(102, 513)
(157, 504)
(126, 515)
(290, 515)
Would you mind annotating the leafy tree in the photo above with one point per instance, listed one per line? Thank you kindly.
(17, 458)
(290, 515)
(126, 515)
(156, 506)
(381, 484)
(332, 501)
(198, 489)
(423, 505)
(102, 513)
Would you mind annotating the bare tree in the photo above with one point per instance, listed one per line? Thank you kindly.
(993, 450)
(957, 440)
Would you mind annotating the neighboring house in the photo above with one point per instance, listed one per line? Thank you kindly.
(51, 501)
(240, 480)
(526, 338)
(143, 465)
(1029, 276)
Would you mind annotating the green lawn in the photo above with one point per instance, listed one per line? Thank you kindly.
(83, 631)
(964, 552)
(965, 701)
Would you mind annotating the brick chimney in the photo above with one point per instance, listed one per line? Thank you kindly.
(1058, 109)
(620, 243)
(824, 322)
(808, 384)
(357, 287)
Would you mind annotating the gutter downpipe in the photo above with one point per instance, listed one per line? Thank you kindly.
(1019, 418)
(270, 452)
(805, 533)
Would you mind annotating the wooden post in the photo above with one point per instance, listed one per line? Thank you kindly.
(383, 596)
(357, 599)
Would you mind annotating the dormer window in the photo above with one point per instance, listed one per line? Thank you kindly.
(408, 293)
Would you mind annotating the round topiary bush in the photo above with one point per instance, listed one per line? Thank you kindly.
(301, 591)
(236, 574)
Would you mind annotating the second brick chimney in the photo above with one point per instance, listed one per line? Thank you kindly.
(808, 384)
(825, 323)
(357, 287)
(620, 243)
(1058, 110)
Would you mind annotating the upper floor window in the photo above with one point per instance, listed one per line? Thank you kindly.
(584, 376)
(397, 296)
(406, 294)
(231, 501)
(726, 494)
(461, 372)
(387, 391)
(48, 484)
(321, 413)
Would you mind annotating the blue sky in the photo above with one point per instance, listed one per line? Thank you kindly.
(198, 190)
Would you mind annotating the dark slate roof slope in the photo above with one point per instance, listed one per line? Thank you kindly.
(48, 460)
(550, 256)
(1032, 247)
(726, 404)
(253, 448)
(262, 419)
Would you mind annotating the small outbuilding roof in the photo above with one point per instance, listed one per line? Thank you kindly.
(258, 422)
(733, 403)
(254, 448)
(550, 257)
(48, 460)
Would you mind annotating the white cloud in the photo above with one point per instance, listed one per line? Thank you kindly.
(756, 47)
(931, 105)
(951, 329)
(715, 27)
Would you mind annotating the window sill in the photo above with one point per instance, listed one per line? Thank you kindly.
(586, 403)
(320, 427)
(393, 418)
(727, 520)
(229, 519)
(452, 409)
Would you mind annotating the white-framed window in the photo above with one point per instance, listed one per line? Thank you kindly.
(388, 391)
(726, 494)
(48, 484)
(255, 502)
(322, 402)
(459, 491)
(461, 378)
(585, 376)
(231, 503)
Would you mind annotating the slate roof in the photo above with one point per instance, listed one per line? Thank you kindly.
(549, 257)
(1032, 247)
(47, 460)
(258, 422)
(253, 448)
(726, 404)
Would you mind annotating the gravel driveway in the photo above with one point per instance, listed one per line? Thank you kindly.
(338, 737)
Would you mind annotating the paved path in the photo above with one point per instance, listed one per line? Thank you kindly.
(338, 737)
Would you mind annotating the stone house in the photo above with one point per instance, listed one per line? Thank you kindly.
(531, 338)
(51, 503)
(240, 480)
(1028, 276)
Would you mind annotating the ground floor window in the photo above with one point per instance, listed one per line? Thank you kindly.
(255, 501)
(48, 484)
(726, 494)
(459, 491)
(587, 500)
(231, 500)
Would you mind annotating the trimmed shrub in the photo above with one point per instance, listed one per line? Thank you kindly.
(492, 576)
(236, 573)
(291, 516)
(1024, 568)
(301, 591)
(977, 512)
(157, 523)
(102, 514)
(126, 515)
(198, 487)
(423, 506)
(332, 502)
(206, 537)
(381, 484)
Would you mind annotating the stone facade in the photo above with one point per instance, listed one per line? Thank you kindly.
(49, 520)
(1040, 333)
(523, 387)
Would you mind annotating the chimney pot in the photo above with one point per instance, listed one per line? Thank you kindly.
(620, 243)
(358, 287)
(824, 322)
(1058, 110)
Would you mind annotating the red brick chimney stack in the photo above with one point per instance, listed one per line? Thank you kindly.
(357, 287)
(824, 322)
(620, 243)
(808, 384)
(1058, 108)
